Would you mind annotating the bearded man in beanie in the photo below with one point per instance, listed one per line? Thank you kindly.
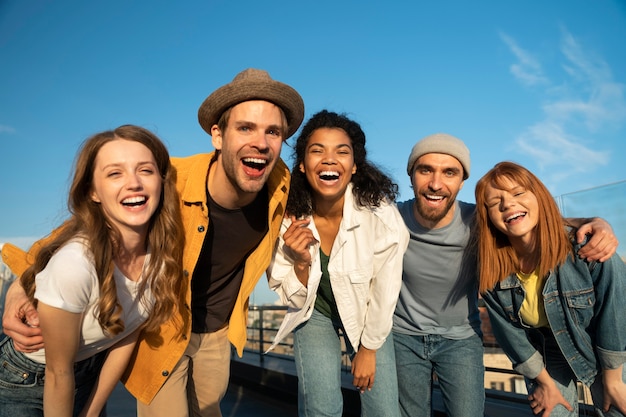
(232, 203)
(436, 324)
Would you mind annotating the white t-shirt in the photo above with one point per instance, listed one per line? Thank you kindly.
(69, 282)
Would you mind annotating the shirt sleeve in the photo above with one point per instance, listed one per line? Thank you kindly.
(68, 280)
(392, 239)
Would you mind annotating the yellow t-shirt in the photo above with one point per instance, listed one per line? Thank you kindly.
(533, 311)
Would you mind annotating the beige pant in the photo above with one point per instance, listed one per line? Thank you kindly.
(198, 382)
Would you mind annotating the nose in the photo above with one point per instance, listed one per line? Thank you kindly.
(260, 141)
(505, 203)
(134, 182)
(435, 181)
(329, 160)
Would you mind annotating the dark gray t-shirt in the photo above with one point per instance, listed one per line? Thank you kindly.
(232, 236)
(439, 292)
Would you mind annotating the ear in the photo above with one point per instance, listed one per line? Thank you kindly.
(94, 197)
(216, 137)
(301, 167)
(353, 169)
(461, 186)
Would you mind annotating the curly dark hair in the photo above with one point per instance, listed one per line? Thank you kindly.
(370, 184)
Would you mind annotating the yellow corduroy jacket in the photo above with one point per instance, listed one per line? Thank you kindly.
(155, 358)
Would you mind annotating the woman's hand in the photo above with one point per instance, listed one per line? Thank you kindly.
(614, 390)
(364, 369)
(298, 239)
(546, 396)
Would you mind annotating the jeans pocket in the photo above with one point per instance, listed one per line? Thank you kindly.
(16, 370)
(12, 376)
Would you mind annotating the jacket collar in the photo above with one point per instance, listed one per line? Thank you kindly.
(350, 214)
(510, 282)
(194, 191)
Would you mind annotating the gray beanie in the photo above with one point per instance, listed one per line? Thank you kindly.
(441, 143)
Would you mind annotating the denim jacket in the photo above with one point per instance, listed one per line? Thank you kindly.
(586, 309)
(365, 270)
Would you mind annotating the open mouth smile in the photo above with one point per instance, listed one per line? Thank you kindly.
(134, 201)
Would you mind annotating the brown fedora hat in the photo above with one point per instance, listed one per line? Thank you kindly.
(252, 84)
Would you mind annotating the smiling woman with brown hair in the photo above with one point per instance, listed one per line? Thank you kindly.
(111, 270)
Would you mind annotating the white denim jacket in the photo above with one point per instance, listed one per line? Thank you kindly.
(365, 269)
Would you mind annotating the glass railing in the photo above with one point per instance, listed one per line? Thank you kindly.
(608, 202)
(504, 388)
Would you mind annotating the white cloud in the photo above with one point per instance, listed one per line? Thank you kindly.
(586, 100)
(6, 129)
(527, 70)
(548, 144)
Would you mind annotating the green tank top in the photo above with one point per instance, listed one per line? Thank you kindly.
(325, 300)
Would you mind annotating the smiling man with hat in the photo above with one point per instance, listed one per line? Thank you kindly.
(232, 201)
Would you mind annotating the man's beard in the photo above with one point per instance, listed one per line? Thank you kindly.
(433, 214)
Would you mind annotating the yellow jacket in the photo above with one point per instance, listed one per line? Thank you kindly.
(155, 357)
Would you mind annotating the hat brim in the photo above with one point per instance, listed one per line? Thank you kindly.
(237, 92)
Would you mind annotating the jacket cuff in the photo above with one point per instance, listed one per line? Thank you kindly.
(294, 289)
(531, 367)
(610, 359)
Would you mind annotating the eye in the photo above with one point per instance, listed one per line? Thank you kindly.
(274, 132)
(113, 174)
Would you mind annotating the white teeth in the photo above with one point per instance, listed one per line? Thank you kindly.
(434, 197)
(134, 200)
(329, 174)
(255, 161)
(514, 216)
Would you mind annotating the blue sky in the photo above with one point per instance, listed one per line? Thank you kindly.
(538, 82)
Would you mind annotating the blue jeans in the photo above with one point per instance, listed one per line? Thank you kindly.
(458, 365)
(566, 381)
(22, 380)
(317, 351)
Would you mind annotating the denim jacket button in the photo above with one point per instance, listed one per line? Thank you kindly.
(165, 373)
(200, 228)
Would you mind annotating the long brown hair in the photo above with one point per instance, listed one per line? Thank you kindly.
(163, 273)
(496, 257)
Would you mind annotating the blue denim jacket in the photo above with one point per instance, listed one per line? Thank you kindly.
(585, 305)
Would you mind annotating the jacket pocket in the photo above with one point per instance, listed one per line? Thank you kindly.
(358, 281)
(580, 304)
(359, 276)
